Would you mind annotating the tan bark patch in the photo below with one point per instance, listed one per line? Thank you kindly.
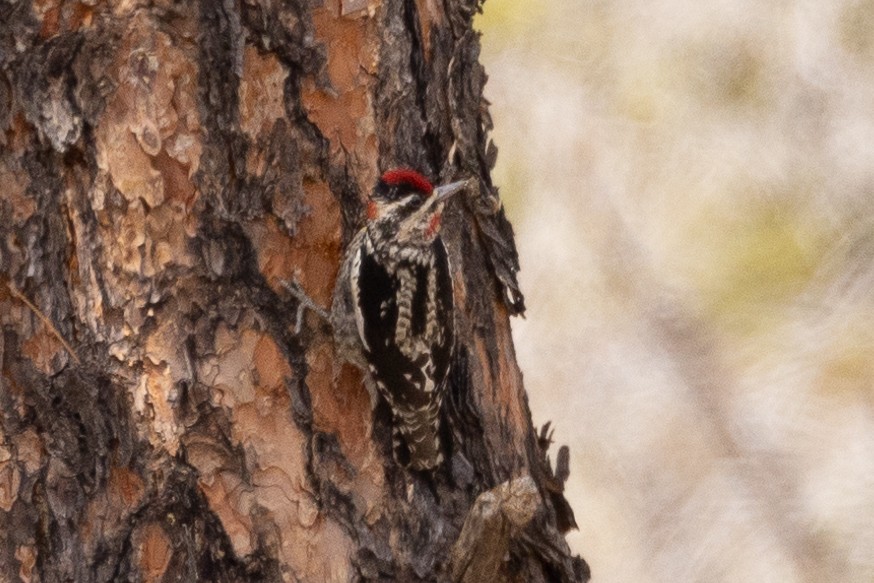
(26, 555)
(312, 255)
(79, 16)
(343, 407)
(130, 237)
(125, 488)
(232, 503)
(14, 191)
(29, 450)
(176, 172)
(344, 114)
(430, 14)
(153, 552)
(168, 230)
(511, 392)
(152, 400)
(10, 480)
(154, 83)
(131, 167)
(107, 512)
(500, 403)
(18, 133)
(270, 365)
(232, 376)
(162, 347)
(262, 92)
(316, 248)
(43, 350)
(59, 16)
(49, 12)
(249, 375)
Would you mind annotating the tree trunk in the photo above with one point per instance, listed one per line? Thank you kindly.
(165, 167)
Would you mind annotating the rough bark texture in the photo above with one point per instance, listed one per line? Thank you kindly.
(164, 166)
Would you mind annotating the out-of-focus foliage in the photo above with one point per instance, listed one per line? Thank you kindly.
(692, 186)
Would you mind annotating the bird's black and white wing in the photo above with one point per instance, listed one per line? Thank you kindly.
(405, 320)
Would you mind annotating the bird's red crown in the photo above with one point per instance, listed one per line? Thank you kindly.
(409, 178)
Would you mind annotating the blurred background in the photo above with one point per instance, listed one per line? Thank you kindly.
(691, 187)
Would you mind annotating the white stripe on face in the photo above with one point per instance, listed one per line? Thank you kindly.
(385, 207)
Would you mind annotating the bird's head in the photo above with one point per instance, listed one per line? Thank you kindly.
(406, 207)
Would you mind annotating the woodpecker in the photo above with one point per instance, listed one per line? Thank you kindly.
(393, 312)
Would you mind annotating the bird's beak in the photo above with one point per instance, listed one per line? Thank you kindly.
(424, 218)
(443, 193)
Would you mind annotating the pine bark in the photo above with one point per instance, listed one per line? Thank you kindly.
(164, 167)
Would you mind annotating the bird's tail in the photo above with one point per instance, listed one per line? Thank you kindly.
(417, 438)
